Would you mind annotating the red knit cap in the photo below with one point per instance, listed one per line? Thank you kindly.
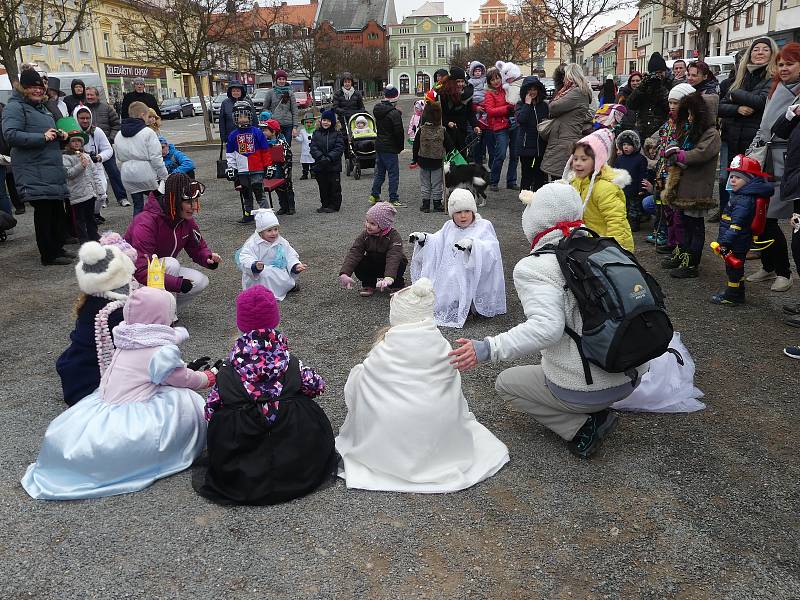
(256, 308)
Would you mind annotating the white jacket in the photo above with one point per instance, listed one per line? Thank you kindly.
(141, 163)
(305, 147)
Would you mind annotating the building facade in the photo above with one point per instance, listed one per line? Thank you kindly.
(76, 56)
(589, 56)
(627, 41)
(421, 44)
(785, 21)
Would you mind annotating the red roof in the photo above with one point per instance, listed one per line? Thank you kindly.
(632, 26)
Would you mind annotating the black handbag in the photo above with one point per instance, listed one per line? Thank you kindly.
(222, 165)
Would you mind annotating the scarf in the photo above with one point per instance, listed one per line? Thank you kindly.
(568, 85)
(135, 336)
(565, 227)
(280, 90)
(349, 93)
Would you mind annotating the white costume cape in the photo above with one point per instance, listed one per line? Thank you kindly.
(278, 258)
(408, 426)
(460, 278)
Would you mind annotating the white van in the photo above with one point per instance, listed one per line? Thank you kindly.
(90, 79)
(717, 64)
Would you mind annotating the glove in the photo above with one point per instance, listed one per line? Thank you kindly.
(346, 281)
(464, 244)
(230, 174)
(418, 237)
(186, 286)
(199, 364)
(790, 111)
(384, 283)
(670, 150)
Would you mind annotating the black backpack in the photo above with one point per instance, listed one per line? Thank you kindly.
(622, 305)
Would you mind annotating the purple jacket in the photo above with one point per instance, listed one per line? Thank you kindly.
(152, 232)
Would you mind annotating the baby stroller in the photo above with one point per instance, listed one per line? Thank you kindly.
(361, 144)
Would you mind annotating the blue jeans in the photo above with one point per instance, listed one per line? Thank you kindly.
(287, 133)
(138, 199)
(5, 199)
(501, 141)
(513, 155)
(114, 177)
(386, 163)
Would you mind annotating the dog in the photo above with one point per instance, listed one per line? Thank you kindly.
(473, 177)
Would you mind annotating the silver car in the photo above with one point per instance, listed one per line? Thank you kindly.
(216, 103)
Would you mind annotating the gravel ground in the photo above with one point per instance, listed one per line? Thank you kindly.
(674, 506)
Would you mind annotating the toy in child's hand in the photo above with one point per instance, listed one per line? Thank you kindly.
(384, 283)
(419, 237)
(231, 174)
(464, 244)
(259, 266)
(346, 281)
(727, 255)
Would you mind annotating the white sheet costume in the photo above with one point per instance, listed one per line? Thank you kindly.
(462, 278)
(408, 426)
(278, 257)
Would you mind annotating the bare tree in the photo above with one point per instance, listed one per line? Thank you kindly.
(182, 35)
(266, 40)
(702, 15)
(311, 50)
(27, 22)
(573, 21)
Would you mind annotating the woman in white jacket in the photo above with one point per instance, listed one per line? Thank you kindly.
(554, 392)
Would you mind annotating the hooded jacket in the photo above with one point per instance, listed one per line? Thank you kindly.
(529, 116)
(139, 155)
(606, 211)
(226, 120)
(478, 83)
(432, 141)
(74, 100)
(80, 181)
(635, 163)
(327, 147)
(35, 163)
(739, 130)
(498, 109)
(736, 220)
(390, 128)
(152, 232)
(106, 118)
(690, 185)
(98, 142)
(135, 96)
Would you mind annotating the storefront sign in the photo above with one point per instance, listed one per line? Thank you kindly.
(120, 70)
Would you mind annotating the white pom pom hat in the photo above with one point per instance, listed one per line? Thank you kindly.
(461, 199)
(104, 271)
(412, 304)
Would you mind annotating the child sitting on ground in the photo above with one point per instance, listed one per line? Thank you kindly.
(634, 162)
(463, 261)
(143, 423)
(81, 181)
(304, 137)
(408, 426)
(248, 154)
(268, 441)
(376, 256)
(600, 187)
(746, 182)
(431, 145)
(268, 259)
(105, 278)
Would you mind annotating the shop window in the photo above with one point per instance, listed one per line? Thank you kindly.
(404, 84)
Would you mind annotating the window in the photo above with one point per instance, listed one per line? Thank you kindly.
(456, 47)
(257, 34)
(761, 10)
(748, 17)
(404, 84)
(124, 47)
(449, 28)
(403, 52)
(82, 40)
(107, 43)
(405, 30)
(372, 36)
(423, 51)
(440, 51)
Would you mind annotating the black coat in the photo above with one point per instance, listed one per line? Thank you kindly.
(251, 461)
(461, 113)
(327, 147)
(737, 130)
(650, 100)
(391, 135)
(131, 97)
(347, 108)
(528, 118)
(790, 182)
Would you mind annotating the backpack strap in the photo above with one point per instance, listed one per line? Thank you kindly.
(587, 372)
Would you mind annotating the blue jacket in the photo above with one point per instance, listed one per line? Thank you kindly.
(528, 118)
(36, 163)
(177, 162)
(636, 166)
(77, 365)
(735, 222)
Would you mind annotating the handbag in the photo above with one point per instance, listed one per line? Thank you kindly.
(544, 128)
(222, 165)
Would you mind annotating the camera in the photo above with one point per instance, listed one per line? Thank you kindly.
(93, 156)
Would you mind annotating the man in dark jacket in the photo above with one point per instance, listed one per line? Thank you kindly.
(650, 99)
(388, 145)
(530, 111)
(77, 97)
(106, 118)
(327, 147)
(36, 162)
(138, 95)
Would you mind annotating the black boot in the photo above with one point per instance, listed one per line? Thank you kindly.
(426, 206)
(674, 261)
(587, 441)
(688, 268)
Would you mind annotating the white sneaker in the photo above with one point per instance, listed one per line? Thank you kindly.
(124, 202)
(760, 275)
(781, 283)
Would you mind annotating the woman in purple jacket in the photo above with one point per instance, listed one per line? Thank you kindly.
(164, 228)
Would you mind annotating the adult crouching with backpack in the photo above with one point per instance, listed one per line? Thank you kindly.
(564, 393)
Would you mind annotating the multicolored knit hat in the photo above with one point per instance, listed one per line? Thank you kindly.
(383, 215)
(609, 115)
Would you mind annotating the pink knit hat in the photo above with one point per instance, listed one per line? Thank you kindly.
(602, 143)
(383, 215)
(256, 308)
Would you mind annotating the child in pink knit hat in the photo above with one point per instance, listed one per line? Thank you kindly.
(268, 441)
(376, 256)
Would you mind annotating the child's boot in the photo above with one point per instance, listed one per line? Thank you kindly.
(674, 261)
(426, 206)
(688, 268)
(374, 199)
(732, 296)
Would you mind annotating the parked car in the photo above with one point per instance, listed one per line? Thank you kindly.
(323, 94)
(177, 108)
(549, 86)
(259, 96)
(198, 107)
(216, 103)
(596, 84)
(303, 99)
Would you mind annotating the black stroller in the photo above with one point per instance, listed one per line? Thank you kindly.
(361, 143)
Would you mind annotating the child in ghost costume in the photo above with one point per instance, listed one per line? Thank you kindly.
(144, 422)
(408, 426)
(268, 259)
(463, 261)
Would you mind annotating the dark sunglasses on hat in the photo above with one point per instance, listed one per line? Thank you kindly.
(196, 189)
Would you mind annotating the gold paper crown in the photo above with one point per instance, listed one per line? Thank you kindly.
(155, 272)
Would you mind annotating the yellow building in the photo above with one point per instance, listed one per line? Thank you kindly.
(76, 56)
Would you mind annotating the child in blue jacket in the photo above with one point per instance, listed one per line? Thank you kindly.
(175, 160)
(630, 158)
(745, 183)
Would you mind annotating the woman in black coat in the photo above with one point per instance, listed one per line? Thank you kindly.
(530, 111)
(458, 115)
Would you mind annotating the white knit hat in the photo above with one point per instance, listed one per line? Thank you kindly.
(556, 202)
(412, 304)
(265, 218)
(681, 90)
(461, 199)
(104, 271)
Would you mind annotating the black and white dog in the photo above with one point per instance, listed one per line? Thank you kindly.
(473, 177)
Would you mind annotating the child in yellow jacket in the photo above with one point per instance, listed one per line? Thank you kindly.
(600, 187)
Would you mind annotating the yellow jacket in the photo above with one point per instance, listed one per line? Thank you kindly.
(606, 212)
